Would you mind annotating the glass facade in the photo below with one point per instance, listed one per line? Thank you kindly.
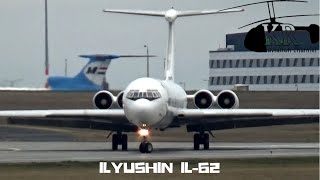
(255, 63)
(283, 79)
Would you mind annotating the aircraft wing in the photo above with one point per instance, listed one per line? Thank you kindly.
(211, 119)
(112, 113)
(111, 119)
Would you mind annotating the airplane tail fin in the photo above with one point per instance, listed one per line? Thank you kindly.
(92, 75)
(171, 15)
(94, 71)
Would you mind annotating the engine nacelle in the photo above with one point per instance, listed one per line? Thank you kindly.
(227, 100)
(103, 100)
(120, 99)
(204, 99)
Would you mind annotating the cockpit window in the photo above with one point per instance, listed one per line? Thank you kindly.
(149, 94)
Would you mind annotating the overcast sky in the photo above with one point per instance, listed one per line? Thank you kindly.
(80, 27)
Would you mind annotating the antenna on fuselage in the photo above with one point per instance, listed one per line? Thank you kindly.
(170, 16)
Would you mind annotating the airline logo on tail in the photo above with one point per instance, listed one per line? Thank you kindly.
(96, 70)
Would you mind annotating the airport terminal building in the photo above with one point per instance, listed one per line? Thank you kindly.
(295, 69)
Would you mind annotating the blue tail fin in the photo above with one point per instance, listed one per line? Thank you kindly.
(90, 78)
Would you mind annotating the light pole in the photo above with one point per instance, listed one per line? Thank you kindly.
(66, 67)
(147, 59)
(46, 41)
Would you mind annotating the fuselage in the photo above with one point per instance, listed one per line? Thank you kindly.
(151, 103)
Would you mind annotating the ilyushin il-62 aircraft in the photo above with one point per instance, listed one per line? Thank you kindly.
(152, 104)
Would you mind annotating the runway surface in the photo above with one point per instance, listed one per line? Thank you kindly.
(12, 133)
(14, 152)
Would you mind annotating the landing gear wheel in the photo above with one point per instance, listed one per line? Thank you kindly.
(205, 141)
(115, 141)
(142, 148)
(124, 142)
(149, 147)
(145, 147)
(196, 141)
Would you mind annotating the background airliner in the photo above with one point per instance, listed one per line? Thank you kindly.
(91, 77)
(149, 103)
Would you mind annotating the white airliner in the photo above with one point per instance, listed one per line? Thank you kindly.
(149, 103)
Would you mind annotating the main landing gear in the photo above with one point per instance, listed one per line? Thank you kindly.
(119, 139)
(201, 138)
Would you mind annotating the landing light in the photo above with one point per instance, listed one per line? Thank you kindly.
(143, 132)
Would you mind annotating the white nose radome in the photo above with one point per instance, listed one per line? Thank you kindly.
(143, 112)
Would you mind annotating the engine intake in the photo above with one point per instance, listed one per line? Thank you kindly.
(227, 100)
(103, 100)
(120, 99)
(204, 99)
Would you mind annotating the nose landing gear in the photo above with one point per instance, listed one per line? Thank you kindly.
(145, 145)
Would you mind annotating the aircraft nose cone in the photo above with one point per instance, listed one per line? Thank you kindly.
(144, 112)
